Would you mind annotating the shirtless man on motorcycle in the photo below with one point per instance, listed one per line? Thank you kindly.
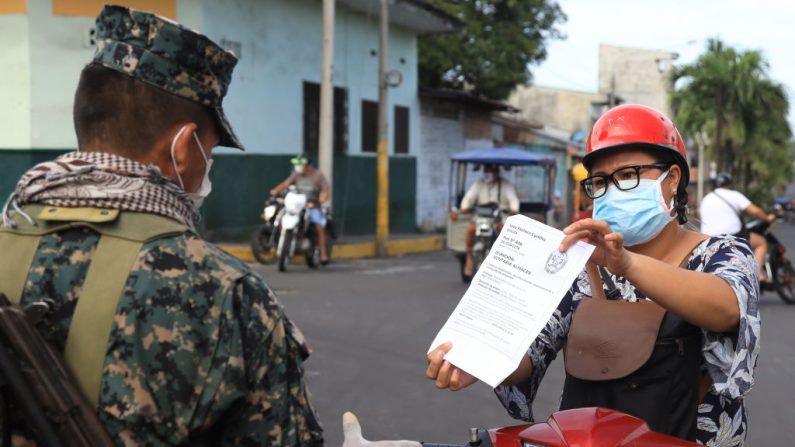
(313, 183)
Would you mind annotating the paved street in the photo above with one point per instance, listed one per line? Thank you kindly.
(370, 323)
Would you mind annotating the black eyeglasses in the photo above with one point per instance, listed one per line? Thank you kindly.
(625, 179)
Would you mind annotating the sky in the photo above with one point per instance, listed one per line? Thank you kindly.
(670, 25)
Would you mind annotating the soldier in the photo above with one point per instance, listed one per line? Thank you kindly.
(171, 339)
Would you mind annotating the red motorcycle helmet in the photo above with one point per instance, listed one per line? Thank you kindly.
(641, 127)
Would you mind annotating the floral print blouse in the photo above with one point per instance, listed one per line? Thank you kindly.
(729, 358)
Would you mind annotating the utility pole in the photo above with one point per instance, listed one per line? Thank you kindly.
(382, 201)
(325, 137)
(701, 140)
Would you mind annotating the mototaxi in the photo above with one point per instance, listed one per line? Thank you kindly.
(532, 175)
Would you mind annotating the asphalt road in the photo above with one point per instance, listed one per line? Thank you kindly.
(370, 323)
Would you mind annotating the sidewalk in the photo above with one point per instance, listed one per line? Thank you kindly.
(356, 247)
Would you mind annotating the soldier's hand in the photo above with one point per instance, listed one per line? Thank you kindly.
(353, 435)
(445, 373)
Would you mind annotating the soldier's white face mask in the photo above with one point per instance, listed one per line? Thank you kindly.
(299, 169)
(197, 197)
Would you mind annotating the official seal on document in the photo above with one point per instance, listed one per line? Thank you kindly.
(556, 261)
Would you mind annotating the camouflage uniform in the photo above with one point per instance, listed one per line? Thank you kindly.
(200, 351)
(199, 341)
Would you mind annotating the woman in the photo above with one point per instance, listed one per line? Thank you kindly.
(697, 296)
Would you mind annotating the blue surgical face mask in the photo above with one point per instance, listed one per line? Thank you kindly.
(639, 214)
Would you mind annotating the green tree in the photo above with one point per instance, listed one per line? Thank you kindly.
(728, 94)
(490, 56)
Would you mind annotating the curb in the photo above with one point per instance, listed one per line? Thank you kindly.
(359, 250)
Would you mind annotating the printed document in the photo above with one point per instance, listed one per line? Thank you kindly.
(511, 298)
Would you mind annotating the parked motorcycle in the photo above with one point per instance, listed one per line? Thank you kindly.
(266, 237)
(595, 427)
(777, 265)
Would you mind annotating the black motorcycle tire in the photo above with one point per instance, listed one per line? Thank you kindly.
(477, 260)
(260, 244)
(313, 255)
(284, 256)
(785, 281)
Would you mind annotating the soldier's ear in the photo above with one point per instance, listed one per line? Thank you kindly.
(176, 148)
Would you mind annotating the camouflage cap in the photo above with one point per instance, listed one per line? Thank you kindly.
(169, 56)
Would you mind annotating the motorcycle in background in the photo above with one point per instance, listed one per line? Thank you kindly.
(785, 208)
(521, 164)
(487, 219)
(266, 237)
(777, 265)
(287, 231)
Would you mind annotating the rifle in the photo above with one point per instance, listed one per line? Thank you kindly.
(40, 384)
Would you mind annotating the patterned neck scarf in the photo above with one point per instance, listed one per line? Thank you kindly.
(102, 180)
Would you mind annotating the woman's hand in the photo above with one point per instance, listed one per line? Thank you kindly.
(444, 373)
(610, 252)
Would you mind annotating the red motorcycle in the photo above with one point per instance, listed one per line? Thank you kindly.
(581, 427)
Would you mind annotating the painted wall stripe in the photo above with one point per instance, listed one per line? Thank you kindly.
(13, 7)
(90, 8)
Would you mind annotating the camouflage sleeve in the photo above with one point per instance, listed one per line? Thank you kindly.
(277, 409)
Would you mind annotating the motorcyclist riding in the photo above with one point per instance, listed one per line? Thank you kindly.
(492, 188)
(698, 294)
(721, 213)
(313, 183)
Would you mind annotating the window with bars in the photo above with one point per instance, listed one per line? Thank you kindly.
(369, 126)
(312, 119)
(401, 119)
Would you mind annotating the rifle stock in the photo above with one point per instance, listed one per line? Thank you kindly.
(41, 384)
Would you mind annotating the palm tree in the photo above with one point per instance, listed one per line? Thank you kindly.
(729, 95)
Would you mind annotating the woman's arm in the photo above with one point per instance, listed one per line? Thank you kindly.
(702, 299)
(522, 373)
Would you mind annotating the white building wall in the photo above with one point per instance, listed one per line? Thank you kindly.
(568, 110)
(440, 138)
(59, 49)
(15, 85)
(636, 75)
(280, 46)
